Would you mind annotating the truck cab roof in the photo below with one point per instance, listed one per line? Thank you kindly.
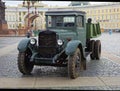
(65, 12)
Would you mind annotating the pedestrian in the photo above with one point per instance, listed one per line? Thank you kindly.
(110, 32)
(28, 34)
(31, 30)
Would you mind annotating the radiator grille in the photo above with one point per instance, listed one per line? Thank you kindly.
(47, 44)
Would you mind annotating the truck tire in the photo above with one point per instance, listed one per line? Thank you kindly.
(74, 63)
(97, 49)
(92, 49)
(24, 64)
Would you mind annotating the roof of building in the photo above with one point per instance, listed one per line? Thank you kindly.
(78, 3)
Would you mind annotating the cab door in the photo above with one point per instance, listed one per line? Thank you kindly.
(81, 29)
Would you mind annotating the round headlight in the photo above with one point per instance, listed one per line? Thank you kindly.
(60, 42)
(33, 41)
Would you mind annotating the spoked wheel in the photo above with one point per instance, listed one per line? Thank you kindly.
(92, 49)
(97, 49)
(74, 63)
(24, 64)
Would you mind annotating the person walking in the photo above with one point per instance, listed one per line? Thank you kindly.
(110, 32)
(28, 34)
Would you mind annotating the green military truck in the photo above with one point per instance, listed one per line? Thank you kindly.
(66, 42)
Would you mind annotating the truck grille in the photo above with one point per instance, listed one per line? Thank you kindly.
(47, 44)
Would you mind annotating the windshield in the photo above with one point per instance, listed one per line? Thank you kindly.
(61, 21)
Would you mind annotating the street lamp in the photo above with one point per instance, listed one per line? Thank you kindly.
(35, 19)
(28, 6)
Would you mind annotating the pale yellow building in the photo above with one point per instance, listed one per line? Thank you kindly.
(107, 14)
(16, 17)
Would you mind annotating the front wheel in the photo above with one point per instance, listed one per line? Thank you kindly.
(24, 64)
(74, 64)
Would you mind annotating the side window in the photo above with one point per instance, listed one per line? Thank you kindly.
(80, 21)
(51, 21)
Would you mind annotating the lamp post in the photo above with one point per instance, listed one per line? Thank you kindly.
(35, 19)
(28, 5)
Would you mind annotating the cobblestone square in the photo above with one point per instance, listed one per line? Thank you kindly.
(104, 67)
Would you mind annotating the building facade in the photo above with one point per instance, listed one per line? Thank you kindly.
(78, 3)
(17, 16)
(107, 14)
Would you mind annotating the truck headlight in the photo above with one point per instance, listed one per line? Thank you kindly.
(33, 41)
(60, 42)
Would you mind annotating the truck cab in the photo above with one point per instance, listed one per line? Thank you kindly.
(69, 23)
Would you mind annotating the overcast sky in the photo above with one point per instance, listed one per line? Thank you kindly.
(49, 3)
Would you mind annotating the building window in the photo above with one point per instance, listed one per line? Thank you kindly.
(90, 12)
(13, 26)
(102, 11)
(114, 10)
(95, 11)
(106, 10)
(19, 13)
(117, 24)
(20, 19)
(11, 17)
(20, 25)
(102, 17)
(106, 17)
(87, 12)
(110, 10)
(9, 25)
(117, 10)
(24, 13)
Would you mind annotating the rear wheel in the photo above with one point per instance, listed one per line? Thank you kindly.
(97, 49)
(92, 46)
(24, 64)
(74, 63)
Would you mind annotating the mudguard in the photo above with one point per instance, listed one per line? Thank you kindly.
(72, 46)
(23, 45)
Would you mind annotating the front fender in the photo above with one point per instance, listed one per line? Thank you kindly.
(23, 45)
(71, 47)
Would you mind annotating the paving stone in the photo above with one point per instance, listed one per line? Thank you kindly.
(102, 67)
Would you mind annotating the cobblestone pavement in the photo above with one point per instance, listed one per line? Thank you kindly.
(95, 68)
(5, 41)
(87, 88)
(103, 67)
(110, 43)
